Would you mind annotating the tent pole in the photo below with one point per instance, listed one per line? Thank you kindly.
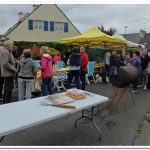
(104, 45)
(104, 50)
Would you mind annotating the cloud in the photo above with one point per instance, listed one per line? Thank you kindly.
(9, 15)
(111, 15)
(83, 16)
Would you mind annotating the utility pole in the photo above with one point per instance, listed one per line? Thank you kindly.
(125, 29)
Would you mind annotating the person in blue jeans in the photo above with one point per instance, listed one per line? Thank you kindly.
(74, 61)
(46, 71)
(47, 86)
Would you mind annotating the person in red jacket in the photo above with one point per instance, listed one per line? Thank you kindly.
(84, 66)
(56, 58)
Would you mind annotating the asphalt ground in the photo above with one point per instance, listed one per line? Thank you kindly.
(118, 127)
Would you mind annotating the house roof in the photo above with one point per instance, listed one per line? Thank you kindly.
(27, 15)
(134, 37)
(146, 40)
(15, 26)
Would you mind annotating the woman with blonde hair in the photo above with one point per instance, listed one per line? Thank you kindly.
(47, 71)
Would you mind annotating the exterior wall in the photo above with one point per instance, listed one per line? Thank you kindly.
(48, 12)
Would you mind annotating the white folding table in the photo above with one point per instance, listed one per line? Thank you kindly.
(21, 115)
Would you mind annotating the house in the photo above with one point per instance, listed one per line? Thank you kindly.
(141, 38)
(46, 23)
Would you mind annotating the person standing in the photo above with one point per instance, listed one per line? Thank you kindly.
(136, 62)
(56, 58)
(124, 58)
(47, 71)
(8, 69)
(74, 61)
(144, 65)
(83, 67)
(107, 61)
(1, 78)
(64, 56)
(26, 72)
(140, 49)
(16, 57)
(114, 63)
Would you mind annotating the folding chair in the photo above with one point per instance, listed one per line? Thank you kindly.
(60, 64)
(90, 72)
(59, 80)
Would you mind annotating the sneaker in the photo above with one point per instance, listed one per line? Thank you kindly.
(145, 87)
(134, 91)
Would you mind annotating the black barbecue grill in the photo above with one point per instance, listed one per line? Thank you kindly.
(126, 76)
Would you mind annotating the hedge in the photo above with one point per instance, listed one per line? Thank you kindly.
(57, 46)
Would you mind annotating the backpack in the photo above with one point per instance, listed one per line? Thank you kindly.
(75, 59)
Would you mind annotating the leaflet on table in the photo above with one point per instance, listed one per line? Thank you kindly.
(60, 98)
(77, 92)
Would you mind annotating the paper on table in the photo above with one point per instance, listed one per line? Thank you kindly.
(77, 92)
(59, 98)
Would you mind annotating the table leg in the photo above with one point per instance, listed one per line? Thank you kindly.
(2, 138)
(91, 118)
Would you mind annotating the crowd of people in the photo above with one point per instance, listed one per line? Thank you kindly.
(23, 70)
(140, 59)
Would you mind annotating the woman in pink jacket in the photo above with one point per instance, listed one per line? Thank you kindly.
(47, 71)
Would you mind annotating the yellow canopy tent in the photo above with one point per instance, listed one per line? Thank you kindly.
(94, 38)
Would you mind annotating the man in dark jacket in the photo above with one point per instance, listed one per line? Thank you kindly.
(114, 63)
(74, 61)
(8, 69)
(83, 67)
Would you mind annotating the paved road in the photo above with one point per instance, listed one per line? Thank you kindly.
(118, 127)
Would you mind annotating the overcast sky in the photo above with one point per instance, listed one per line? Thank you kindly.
(84, 16)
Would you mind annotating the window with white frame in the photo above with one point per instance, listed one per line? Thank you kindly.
(59, 26)
(38, 24)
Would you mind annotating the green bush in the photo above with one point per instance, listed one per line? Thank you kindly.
(55, 45)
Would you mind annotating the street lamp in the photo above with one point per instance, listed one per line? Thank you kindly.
(125, 29)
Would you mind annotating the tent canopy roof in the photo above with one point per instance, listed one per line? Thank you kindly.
(129, 43)
(93, 37)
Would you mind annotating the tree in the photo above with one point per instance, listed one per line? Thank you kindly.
(110, 32)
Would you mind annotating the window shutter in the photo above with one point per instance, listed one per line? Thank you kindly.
(51, 25)
(30, 24)
(45, 25)
(65, 27)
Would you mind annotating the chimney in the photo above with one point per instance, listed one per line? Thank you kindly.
(35, 6)
(20, 15)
